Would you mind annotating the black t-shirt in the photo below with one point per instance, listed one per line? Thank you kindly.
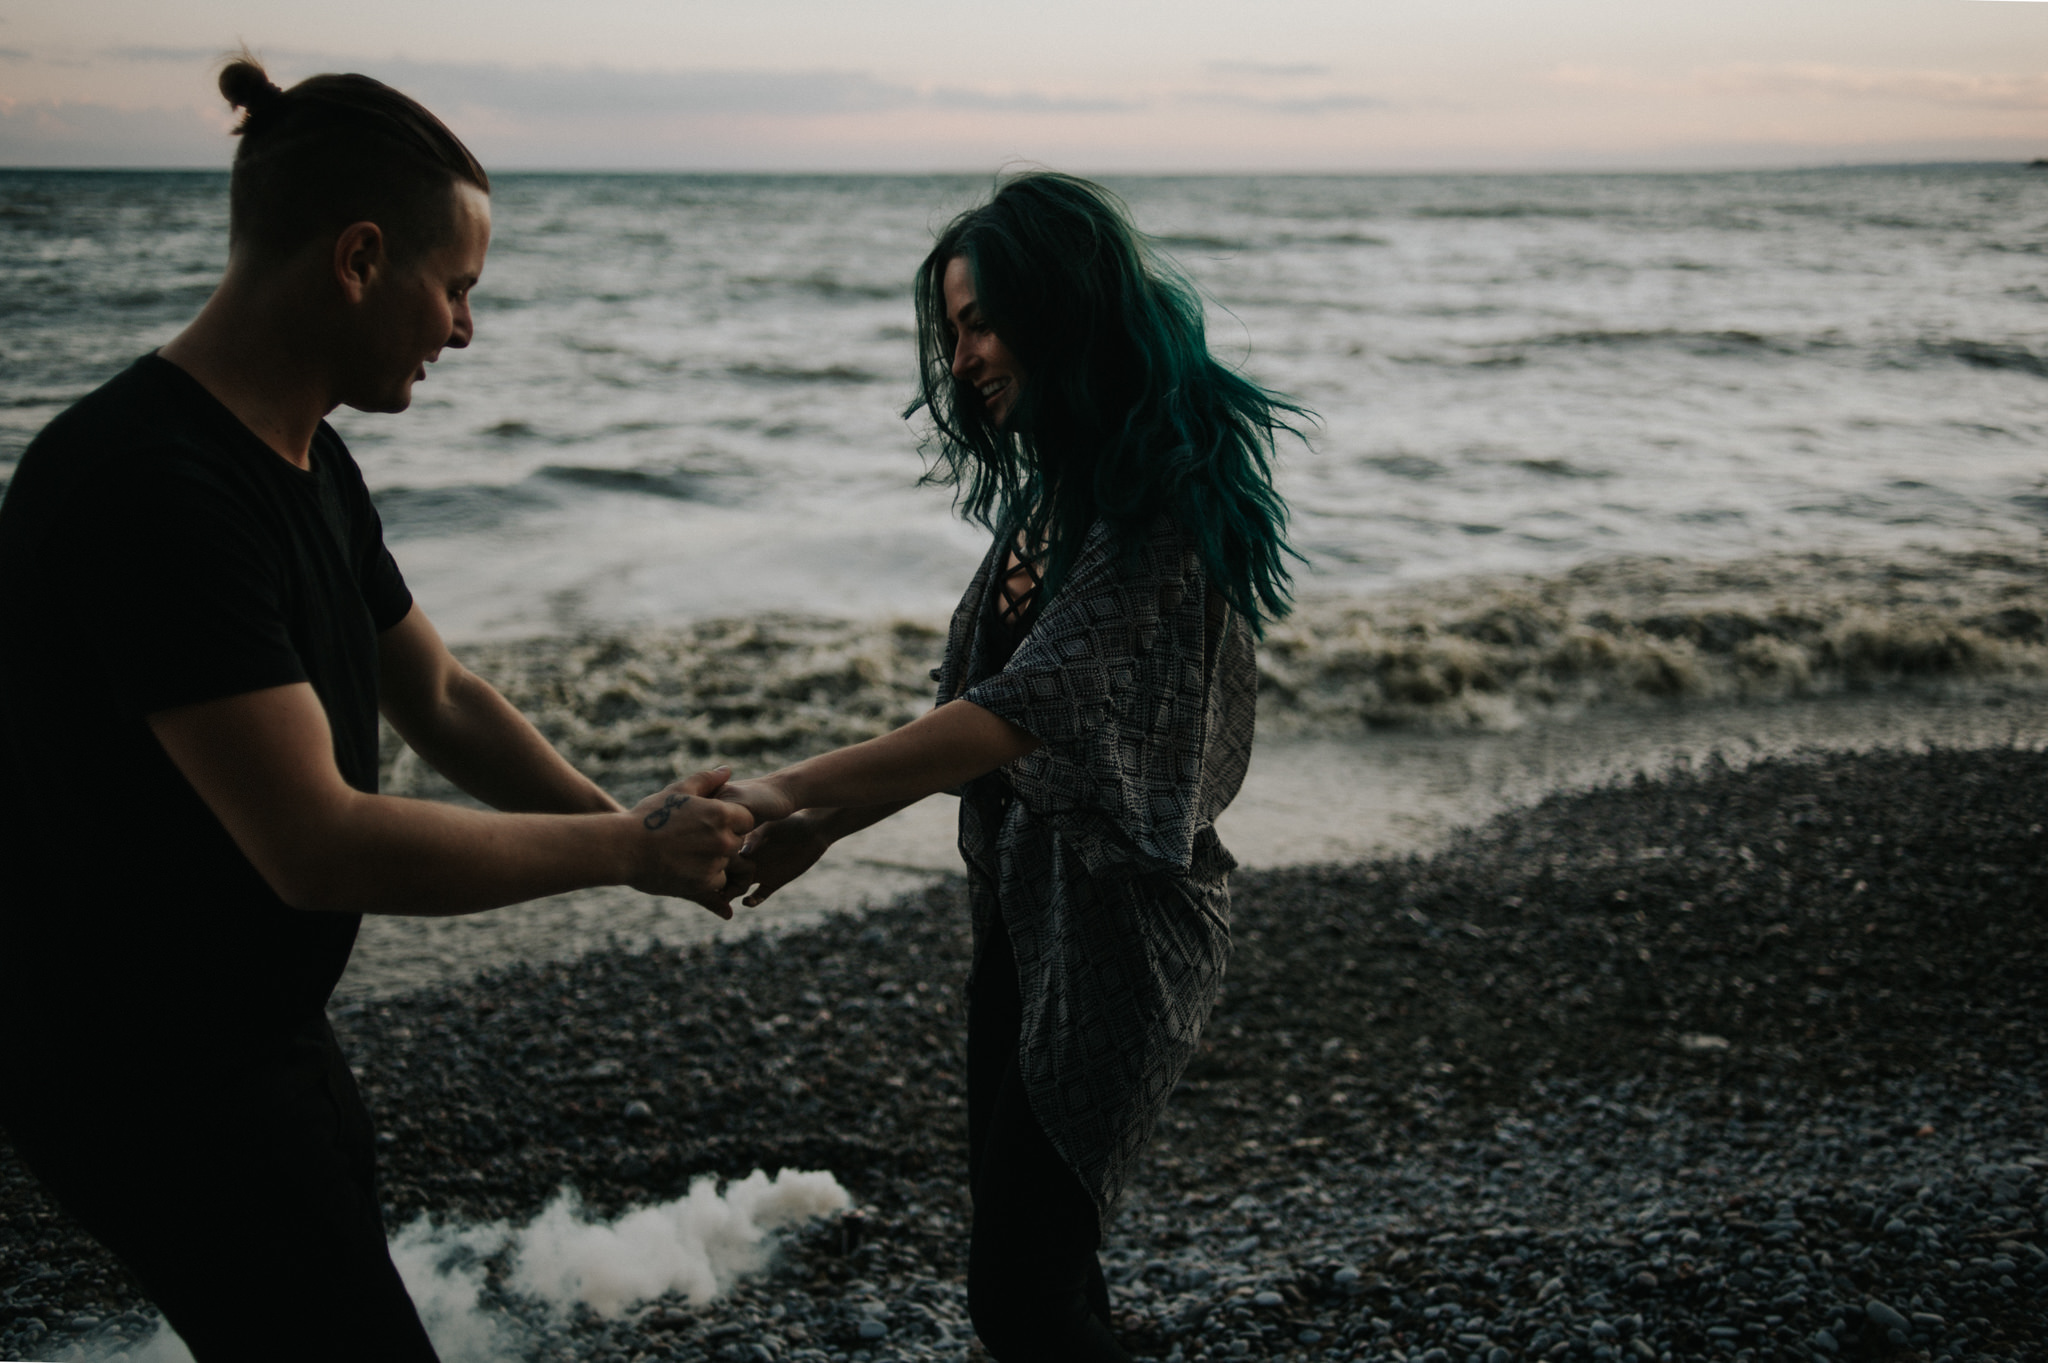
(154, 553)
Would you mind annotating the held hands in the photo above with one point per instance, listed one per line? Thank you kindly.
(761, 796)
(784, 844)
(687, 839)
(775, 854)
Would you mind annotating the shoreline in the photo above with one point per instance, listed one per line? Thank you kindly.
(1386, 722)
(1305, 802)
(1735, 1059)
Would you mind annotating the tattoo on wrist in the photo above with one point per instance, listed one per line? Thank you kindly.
(668, 807)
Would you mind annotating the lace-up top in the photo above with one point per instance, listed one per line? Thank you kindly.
(1015, 606)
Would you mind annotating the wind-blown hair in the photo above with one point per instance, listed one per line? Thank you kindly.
(335, 150)
(1122, 414)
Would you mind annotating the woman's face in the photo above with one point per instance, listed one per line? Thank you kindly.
(981, 361)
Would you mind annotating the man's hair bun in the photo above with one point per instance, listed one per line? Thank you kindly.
(244, 84)
(337, 149)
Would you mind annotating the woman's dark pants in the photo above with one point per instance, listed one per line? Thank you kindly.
(1034, 1284)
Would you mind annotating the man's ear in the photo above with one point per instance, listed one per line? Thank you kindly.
(361, 256)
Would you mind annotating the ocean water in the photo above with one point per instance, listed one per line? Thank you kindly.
(684, 400)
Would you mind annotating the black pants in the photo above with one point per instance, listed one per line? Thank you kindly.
(1034, 1284)
(246, 1208)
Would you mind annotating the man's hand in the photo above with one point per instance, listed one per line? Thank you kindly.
(775, 854)
(689, 837)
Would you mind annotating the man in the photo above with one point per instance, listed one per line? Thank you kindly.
(198, 625)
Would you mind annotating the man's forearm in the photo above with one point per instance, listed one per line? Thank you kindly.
(487, 748)
(382, 854)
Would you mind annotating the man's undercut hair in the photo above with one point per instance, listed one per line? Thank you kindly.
(335, 150)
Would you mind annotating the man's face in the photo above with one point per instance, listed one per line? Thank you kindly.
(415, 308)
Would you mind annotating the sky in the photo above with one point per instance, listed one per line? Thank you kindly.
(1086, 85)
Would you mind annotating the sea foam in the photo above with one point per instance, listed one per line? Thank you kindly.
(639, 708)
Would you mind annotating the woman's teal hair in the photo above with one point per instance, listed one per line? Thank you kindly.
(1123, 412)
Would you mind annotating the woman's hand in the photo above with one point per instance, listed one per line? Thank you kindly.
(775, 854)
(762, 797)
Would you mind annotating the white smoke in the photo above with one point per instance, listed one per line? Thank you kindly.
(699, 1245)
(162, 1347)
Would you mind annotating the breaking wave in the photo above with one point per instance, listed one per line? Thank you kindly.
(640, 708)
(1496, 653)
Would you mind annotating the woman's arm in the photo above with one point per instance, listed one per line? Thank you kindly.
(802, 810)
(937, 751)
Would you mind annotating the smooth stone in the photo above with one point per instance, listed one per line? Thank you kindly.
(873, 1329)
(1883, 1317)
(1269, 1299)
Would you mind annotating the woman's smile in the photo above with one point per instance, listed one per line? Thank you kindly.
(980, 359)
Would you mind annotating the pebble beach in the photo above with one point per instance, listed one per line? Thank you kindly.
(1723, 1063)
(1639, 941)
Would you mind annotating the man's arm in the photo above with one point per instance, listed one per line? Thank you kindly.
(468, 732)
(264, 764)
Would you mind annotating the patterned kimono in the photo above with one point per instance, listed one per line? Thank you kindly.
(1098, 851)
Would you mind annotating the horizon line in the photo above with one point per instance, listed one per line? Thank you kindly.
(1732, 168)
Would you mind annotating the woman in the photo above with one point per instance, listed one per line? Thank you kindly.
(1094, 714)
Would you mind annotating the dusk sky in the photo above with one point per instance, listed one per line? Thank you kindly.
(1088, 85)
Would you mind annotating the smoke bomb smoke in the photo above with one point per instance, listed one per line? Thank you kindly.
(697, 1245)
